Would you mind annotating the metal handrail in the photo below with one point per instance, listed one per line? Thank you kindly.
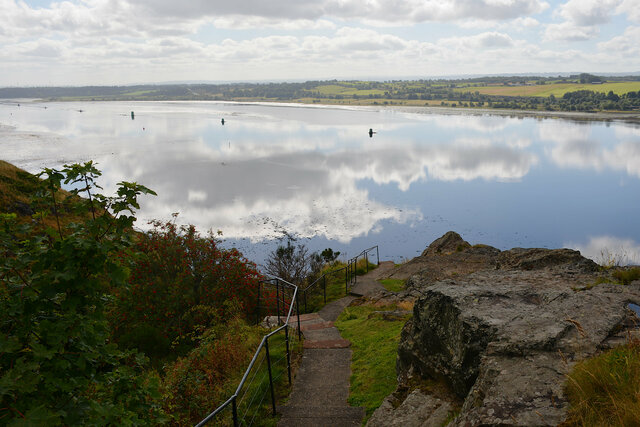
(263, 343)
(350, 274)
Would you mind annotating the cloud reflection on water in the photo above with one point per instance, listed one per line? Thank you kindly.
(579, 146)
(253, 190)
(316, 172)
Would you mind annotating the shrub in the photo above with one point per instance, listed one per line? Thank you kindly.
(57, 365)
(182, 283)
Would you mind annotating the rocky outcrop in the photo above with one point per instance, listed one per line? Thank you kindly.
(450, 242)
(504, 338)
(536, 259)
(418, 409)
(447, 257)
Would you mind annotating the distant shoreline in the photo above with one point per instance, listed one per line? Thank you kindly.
(627, 117)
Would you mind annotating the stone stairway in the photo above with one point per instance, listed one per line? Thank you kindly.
(321, 387)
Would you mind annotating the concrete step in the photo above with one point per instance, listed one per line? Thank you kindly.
(346, 416)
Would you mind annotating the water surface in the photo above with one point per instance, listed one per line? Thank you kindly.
(314, 172)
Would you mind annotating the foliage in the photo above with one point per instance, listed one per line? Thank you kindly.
(180, 284)
(329, 255)
(393, 285)
(196, 384)
(57, 365)
(374, 343)
(605, 390)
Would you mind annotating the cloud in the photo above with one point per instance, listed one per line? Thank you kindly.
(582, 19)
(625, 44)
(609, 250)
(631, 9)
(569, 31)
(379, 10)
(587, 13)
(167, 17)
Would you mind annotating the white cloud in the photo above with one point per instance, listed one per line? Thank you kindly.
(582, 19)
(121, 41)
(626, 44)
(569, 31)
(587, 12)
(609, 250)
(631, 8)
(239, 22)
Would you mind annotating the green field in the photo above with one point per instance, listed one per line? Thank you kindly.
(345, 89)
(555, 89)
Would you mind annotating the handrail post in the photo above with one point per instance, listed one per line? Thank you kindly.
(346, 275)
(366, 260)
(298, 310)
(278, 299)
(234, 409)
(286, 342)
(378, 255)
(273, 395)
(324, 288)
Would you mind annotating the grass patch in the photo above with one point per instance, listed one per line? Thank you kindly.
(555, 89)
(374, 343)
(334, 283)
(605, 390)
(393, 285)
(627, 276)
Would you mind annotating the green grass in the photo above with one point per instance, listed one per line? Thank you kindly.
(556, 89)
(335, 289)
(374, 343)
(335, 286)
(627, 276)
(605, 390)
(393, 285)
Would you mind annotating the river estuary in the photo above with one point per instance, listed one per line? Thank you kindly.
(315, 173)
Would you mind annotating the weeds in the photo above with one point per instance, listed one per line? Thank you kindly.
(627, 276)
(605, 390)
(393, 285)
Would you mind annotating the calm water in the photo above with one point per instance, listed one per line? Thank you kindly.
(315, 173)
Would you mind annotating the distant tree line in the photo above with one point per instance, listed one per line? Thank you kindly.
(453, 93)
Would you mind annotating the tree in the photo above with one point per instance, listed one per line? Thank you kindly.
(329, 255)
(57, 364)
(291, 263)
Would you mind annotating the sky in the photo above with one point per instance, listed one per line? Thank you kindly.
(117, 42)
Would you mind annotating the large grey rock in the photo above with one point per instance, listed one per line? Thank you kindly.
(418, 409)
(448, 243)
(504, 339)
(535, 259)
